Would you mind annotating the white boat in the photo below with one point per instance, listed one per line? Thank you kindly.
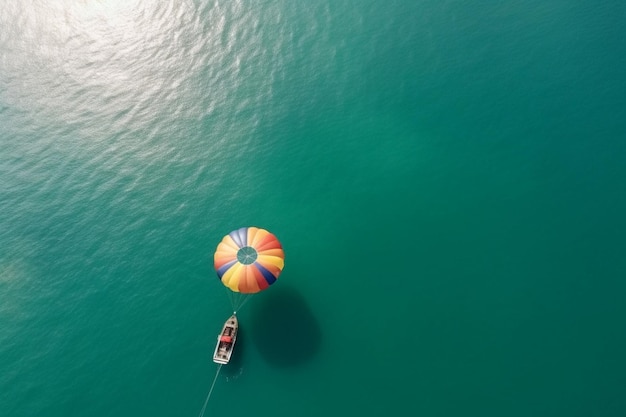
(226, 341)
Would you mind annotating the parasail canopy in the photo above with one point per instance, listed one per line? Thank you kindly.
(249, 260)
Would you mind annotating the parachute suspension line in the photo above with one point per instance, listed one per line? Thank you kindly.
(237, 300)
(219, 367)
(234, 299)
(231, 297)
(244, 300)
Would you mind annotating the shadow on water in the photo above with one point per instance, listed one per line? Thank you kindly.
(284, 329)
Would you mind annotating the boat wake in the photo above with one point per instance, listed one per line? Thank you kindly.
(230, 378)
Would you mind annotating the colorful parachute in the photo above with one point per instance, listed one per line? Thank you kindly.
(249, 260)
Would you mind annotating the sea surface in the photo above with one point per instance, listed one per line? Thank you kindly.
(447, 179)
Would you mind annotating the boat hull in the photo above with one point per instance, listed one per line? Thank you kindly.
(226, 341)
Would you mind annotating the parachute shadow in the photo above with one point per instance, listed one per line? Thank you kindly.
(284, 329)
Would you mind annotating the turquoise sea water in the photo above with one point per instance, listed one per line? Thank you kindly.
(447, 179)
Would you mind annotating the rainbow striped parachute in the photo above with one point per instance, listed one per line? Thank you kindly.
(249, 260)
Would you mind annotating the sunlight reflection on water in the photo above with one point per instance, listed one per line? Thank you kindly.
(114, 66)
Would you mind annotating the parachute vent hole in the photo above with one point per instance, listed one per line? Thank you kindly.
(247, 255)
